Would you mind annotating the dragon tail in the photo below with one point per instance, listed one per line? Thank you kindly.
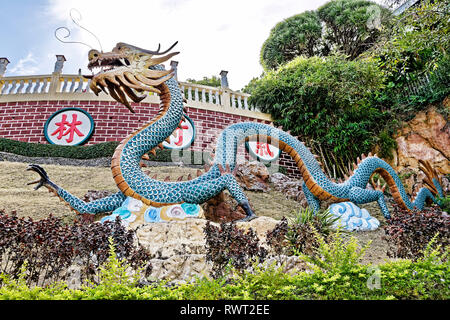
(105, 204)
(426, 194)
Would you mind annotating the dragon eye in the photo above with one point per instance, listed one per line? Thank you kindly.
(95, 55)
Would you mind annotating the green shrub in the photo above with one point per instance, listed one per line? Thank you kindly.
(99, 150)
(414, 57)
(329, 102)
(426, 278)
(51, 150)
(298, 234)
(386, 144)
(444, 203)
(335, 253)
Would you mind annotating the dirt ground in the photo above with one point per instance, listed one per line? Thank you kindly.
(16, 195)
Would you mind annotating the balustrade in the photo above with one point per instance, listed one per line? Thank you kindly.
(65, 84)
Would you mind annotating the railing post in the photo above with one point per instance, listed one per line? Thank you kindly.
(174, 65)
(226, 90)
(3, 64)
(55, 82)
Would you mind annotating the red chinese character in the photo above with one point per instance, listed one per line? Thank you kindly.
(179, 133)
(61, 131)
(263, 149)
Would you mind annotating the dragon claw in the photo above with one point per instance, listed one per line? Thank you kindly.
(250, 215)
(43, 181)
(226, 170)
(377, 185)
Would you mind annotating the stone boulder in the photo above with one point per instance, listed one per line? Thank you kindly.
(253, 176)
(179, 249)
(92, 195)
(290, 187)
(426, 137)
(222, 208)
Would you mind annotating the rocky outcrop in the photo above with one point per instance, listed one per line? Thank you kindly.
(291, 188)
(253, 176)
(179, 249)
(412, 180)
(222, 208)
(425, 137)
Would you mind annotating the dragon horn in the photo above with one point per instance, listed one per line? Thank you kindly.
(121, 44)
(199, 173)
(167, 179)
(180, 178)
(163, 59)
(155, 177)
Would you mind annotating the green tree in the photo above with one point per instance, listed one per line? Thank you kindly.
(414, 55)
(206, 81)
(329, 102)
(298, 35)
(418, 41)
(352, 26)
(348, 26)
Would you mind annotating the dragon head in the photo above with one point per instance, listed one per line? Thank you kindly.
(126, 70)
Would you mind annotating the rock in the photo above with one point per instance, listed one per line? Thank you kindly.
(261, 225)
(291, 188)
(92, 195)
(412, 181)
(426, 137)
(253, 176)
(179, 248)
(166, 239)
(222, 208)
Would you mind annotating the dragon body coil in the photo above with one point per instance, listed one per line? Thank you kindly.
(130, 69)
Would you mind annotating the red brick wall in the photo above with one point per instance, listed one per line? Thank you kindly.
(24, 121)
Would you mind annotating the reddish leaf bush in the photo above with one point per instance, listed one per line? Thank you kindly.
(409, 232)
(230, 244)
(50, 247)
(276, 238)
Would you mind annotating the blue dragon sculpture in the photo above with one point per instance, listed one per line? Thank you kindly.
(128, 71)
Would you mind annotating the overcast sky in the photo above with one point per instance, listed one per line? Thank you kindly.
(212, 35)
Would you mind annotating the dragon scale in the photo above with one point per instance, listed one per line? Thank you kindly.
(136, 69)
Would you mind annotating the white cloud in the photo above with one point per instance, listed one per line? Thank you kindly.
(25, 66)
(213, 35)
